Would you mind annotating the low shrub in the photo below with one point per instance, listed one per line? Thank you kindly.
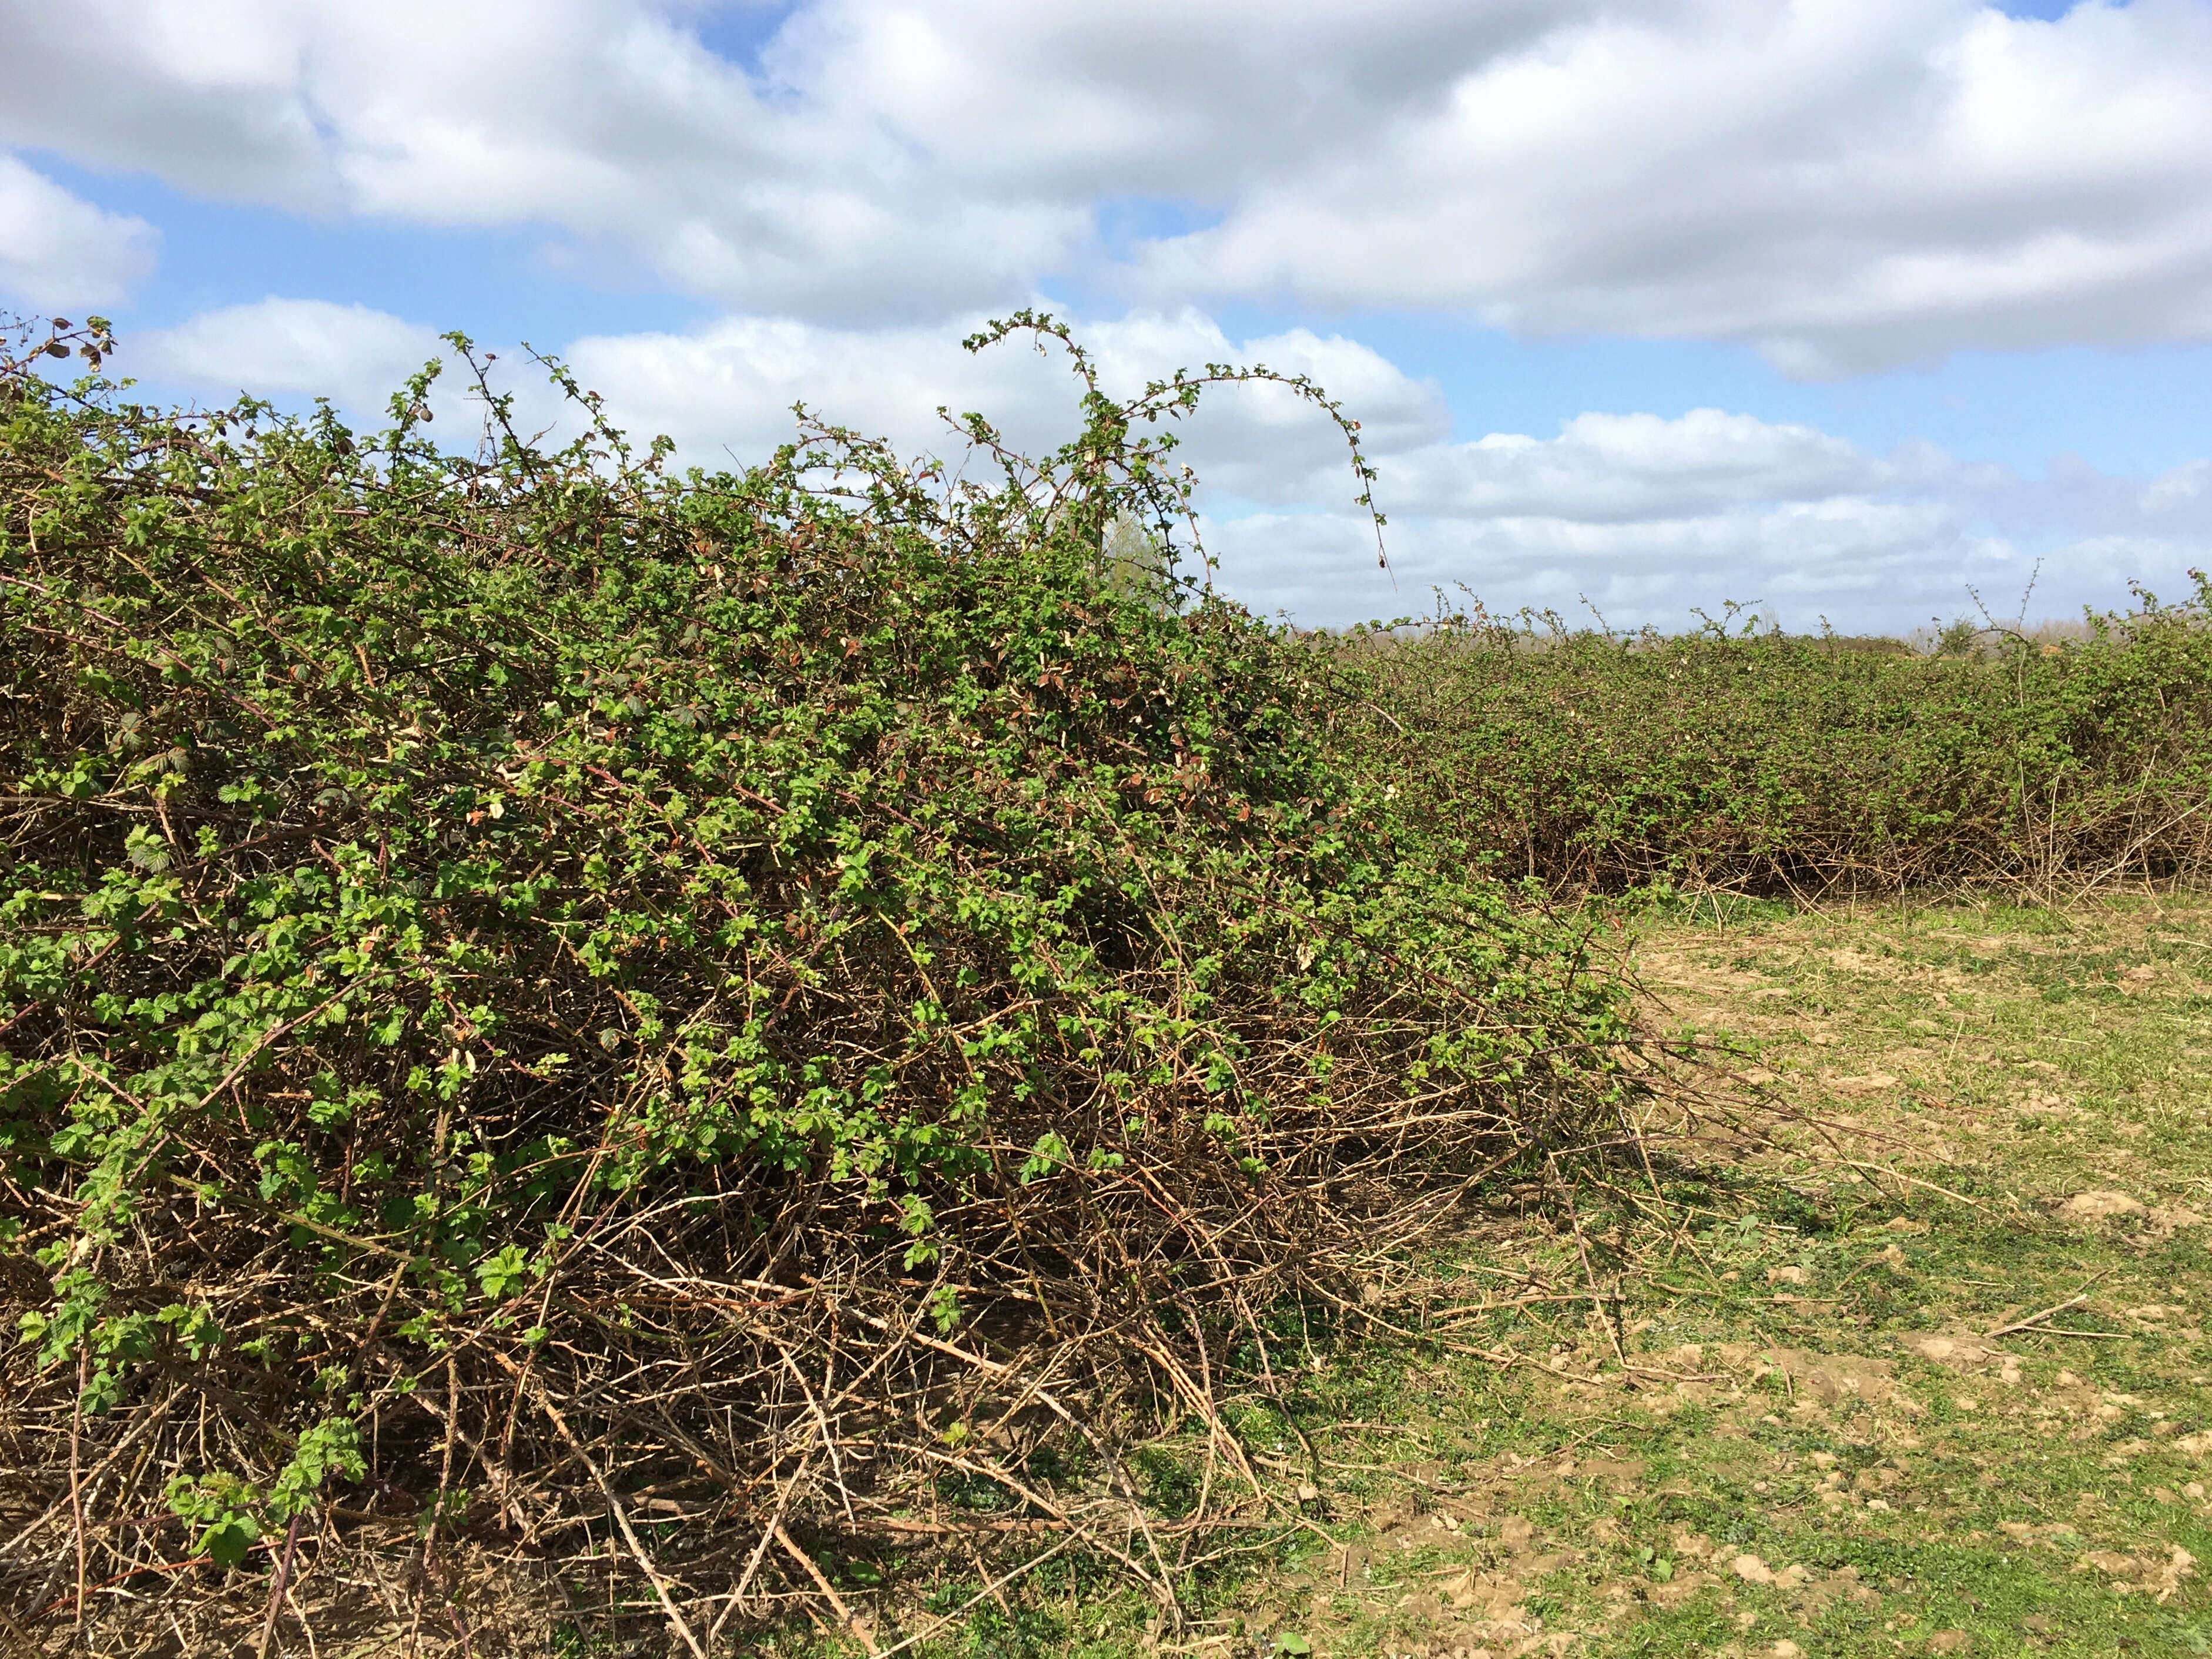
(1794, 765)
(640, 1019)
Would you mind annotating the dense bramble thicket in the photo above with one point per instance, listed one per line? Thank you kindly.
(1789, 764)
(653, 1016)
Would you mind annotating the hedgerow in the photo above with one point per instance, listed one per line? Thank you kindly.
(1794, 764)
(641, 1020)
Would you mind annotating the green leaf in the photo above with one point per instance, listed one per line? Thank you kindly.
(501, 1273)
(228, 1539)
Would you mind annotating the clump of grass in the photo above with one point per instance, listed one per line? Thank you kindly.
(1791, 765)
(639, 1021)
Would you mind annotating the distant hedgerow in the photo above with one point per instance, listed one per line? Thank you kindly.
(1792, 764)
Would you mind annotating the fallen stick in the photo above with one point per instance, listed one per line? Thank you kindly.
(276, 1584)
(2036, 1318)
(963, 1529)
(615, 1508)
(1899, 1175)
(822, 1582)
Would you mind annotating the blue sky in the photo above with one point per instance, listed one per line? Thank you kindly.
(1846, 306)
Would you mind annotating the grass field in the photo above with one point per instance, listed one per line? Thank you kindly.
(1798, 1436)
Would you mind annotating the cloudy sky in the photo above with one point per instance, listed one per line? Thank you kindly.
(1842, 307)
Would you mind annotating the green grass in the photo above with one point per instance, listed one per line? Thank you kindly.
(1822, 1474)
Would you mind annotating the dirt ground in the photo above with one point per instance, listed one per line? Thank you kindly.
(1921, 1370)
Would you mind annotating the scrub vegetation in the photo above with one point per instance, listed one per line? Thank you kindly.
(596, 1059)
(625, 1020)
(1800, 765)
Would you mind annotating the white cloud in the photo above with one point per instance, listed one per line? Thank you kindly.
(2178, 503)
(2181, 497)
(728, 391)
(1863, 566)
(1845, 183)
(1608, 469)
(204, 93)
(1848, 182)
(604, 121)
(57, 251)
(355, 356)
(1646, 516)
